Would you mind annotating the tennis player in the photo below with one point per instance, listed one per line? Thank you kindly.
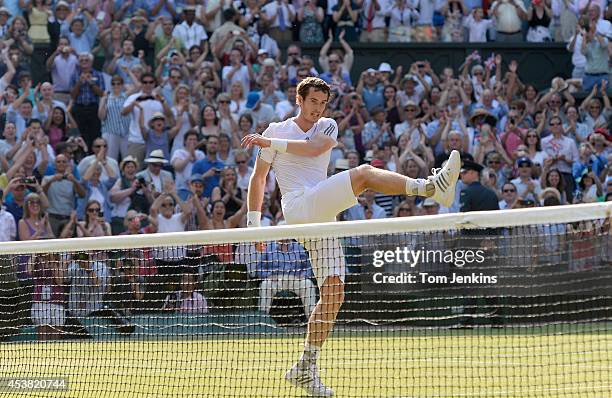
(298, 150)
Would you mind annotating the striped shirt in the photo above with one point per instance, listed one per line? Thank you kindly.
(115, 123)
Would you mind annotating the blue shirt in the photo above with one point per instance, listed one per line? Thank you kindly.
(275, 261)
(373, 98)
(83, 43)
(327, 77)
(51, 171)
(201, 167)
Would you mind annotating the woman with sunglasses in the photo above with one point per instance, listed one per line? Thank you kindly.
(115, 126)
(94, 223)
(35, 223)
(534, 149)
(590, 110)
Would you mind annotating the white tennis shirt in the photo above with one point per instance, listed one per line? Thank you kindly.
(295, 172)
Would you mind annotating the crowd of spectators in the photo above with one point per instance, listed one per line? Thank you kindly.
(133, 122)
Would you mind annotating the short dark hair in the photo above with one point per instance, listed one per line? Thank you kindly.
(551, 201)
(303, 88)
(33, 121)
(189, 133)
(148, 74)
(229, 14)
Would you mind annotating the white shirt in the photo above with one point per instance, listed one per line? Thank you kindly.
(508, 20)
(172, 224)
(295, 172)
(401, 17)
(242, 181)
(241, 75)
(149, 107)
(578, 58)
(378, 19)
(271, 8)
(62, 69)
(426, 10)
(522, 187)
(282, 108)
(477, 29)
(182, 177)
(190, 35)
(8, 228)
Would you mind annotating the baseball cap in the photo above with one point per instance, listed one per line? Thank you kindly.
(196, 178)
(523, 161)
(252, 99)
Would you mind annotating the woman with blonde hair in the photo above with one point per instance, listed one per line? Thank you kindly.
(185, 113)
(35, 223)
(238, 97)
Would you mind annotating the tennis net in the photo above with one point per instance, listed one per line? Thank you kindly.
(497, 304)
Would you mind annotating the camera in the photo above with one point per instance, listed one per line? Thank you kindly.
(65, 176)
(142, 181)
(28, 180)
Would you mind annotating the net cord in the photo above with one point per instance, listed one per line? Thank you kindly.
(453, 221)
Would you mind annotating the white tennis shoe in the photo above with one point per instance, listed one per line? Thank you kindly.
(445, 180)
(308, 379)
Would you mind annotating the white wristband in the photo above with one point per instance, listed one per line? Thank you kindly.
(278, 145)
(253, 219)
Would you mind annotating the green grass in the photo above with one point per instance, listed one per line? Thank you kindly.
(421, 364)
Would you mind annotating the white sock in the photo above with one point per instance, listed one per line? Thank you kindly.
(310, 354)
(416, 187)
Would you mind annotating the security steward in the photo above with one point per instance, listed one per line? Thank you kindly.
(476, 197)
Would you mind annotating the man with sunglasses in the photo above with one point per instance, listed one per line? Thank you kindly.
(527, 188)
(561, 153)
(100, 151)
(150, 102)
(509, 196)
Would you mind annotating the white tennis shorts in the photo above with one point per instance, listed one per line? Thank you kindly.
(322, 203)
(48, 314)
